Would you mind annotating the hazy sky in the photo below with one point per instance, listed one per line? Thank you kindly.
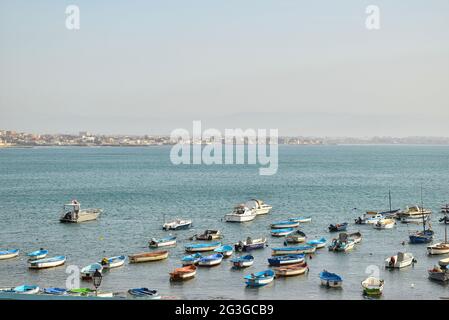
(305, 67)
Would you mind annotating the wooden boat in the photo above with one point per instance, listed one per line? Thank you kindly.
(284, 224)
(226, 251)
(207, 235)
(291, 270)
(259, 279)
(384, 224)
(177, 224)
(438, 248)
(163, 242)
(202, 247)
(241, 213)
(285, 260)
(250, 244)
(318, 243)
(293, 250)
(8, 254)
(113, 262)
(355, 236)
(72, 213)
(36, 255)
(148, 256)
(338, 227)
(301, 219)
(47, 262)
(331, 280)
(212, 260)
(144, 293)
(282, 232)
(439, 273)
(184, 273)
(259, 206)
(372, 286)
(401, 260)
(191, 259)
(295, 237)
(88, 271)
(243, 262)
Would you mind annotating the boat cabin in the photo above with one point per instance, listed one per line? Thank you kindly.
(71, 210)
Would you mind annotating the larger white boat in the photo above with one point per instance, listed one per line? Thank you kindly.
(414, 211)
(401, 260)
(241, 213)
(72, 213)
(177, 224)
(259, 206)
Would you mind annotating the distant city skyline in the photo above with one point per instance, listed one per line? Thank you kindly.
(305, 68)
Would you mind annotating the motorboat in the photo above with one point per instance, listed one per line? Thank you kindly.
(71, 212)
(241, 213)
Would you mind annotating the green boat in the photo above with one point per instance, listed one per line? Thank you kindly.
(372, 286)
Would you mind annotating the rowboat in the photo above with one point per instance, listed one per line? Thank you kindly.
(282, 232)
(372, 286)
(439, 273)
(356, 236)
(338, 227)
(401, 260)
(184, 273)
(55, 291)
(259, 279)
(202, 247)
(284, 224)
(293, 250)
(36, 255)
(26, 289)
(88, 271)
(250, 244)
(291, 270)
(164, 242)
(296, 237)
(191, 259)
(343, 243)
(331, 280)
(285, 260)
(438, 248)
(47, 262)
(241, 213)
(444, 262)
(226, 251)
(148, 256)
(144, 293)
(113, 262)
(8, 254)
(318, 243)
(259, 206)
(72, 213)
(212, 260)
(384, 224)
(243, 262)
(301, 219)
(88, 292)
(177, 224)
(207, 235)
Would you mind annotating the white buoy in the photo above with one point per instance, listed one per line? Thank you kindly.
(412, 285)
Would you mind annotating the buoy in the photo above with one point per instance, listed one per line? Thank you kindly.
(412, 285)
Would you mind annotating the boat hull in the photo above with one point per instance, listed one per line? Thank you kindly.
(46, 264)
(9, 255)
(239, 218)
(435, 250)
(143, 258)
(83, 216)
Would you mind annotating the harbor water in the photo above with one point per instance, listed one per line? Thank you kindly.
(137, 187)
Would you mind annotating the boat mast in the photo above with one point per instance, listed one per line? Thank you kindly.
(422, 212)
(389, 198)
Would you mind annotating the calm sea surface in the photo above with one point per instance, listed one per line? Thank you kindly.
(137, 186)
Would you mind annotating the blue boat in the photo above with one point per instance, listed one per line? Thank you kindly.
(282, 232)
(191, 259)
(26, 289)
(318, 243)
(226, 250)
(212, 260)
(243, 262)
(8, 254)
(38, 254)
(338, 227)
(284, 224)
(287, 259)
(202, 247)
(301, 219)
(164, 242)
(250, 244)
(55, 291)
(329, 279)
(259, 279)
(425, 236)
(293, 250)
(144, 293)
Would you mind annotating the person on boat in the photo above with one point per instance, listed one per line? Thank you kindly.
(392, 261)
(249, 240)
(104, 261)
(76, 208)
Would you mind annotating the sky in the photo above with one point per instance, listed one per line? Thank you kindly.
(308, 68)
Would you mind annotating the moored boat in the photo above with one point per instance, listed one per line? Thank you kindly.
(301, 219)
(225, 250)
(55, 291)
(295, 237)
(355, 236)
(285, 260)
(284, 224)
(250, 244)
(72, 213)
(444, 220)
(177, 224)
(243, 262)
(202, 247)
(291, 270)
(38, 254)
(148, 256)
(372, 286)
(191, 259)
(384, 224)
(445, 208)
(401, 260)
(438, 248)
(414, 211)
(293, 250)
(184, 273)
(144, 293)
(259, 206)
(26, 289)
(88, 271)
(343, 243)
(241, 213)
(318, 243)
(113, 262)
(8, 254)
(282, 232)
(212, 260)
(444, 262)
(163, 242)
(47, 262)
(259, 279)
(439, 273)
(331, 280)
(207, 235)
(338, 227)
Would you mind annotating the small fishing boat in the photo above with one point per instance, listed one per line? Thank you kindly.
(163, 242)
(331, 280)
(338, 227)
(144, 293)
(212, 260)
(282, 232)
(241, 213)
(207, 235)
(113, 262)
(445, 208)
(177, 224)
(355, 236)
(202, 247)
(47, 262)
(318, 243)
(259, 279)
(372, 286)
(285, 260)
(26, 289)
(191, 259)
(226, 251)
(8, 254)
(259, 206)
(291, 270)
(148, 256)
(55, 291)
(284, 224)
(439, 273)
(369, 218)
(36, 255)
(401, 260)
(384, 224)
(343, 243)
(87, 292)
(88, 271)
(293, 250)
(250, 244)
(444, 262)
(72, 213)
(243, 262)
(301, 219)
(184, 273)
(295, 237)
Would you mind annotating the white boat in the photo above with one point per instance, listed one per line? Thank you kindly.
(415, 219)
(401, 260)
(370, 218)
(259, 206)
(301, 219)
(356, 237)
(438, 248)
(23, 289)
(241, 213)
(71, 212)
(414, 213)
(373, 286)
(211, 260)
(8, 254)
(38, 254)
(384, 224)
(113, 262)
(164, 242)
(47, 262)
(177, 224)
(439, 273)
(88, 271)
(444, 262)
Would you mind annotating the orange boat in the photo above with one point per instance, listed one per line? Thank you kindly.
(291, 270)
(184, 273)
(148, 256)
